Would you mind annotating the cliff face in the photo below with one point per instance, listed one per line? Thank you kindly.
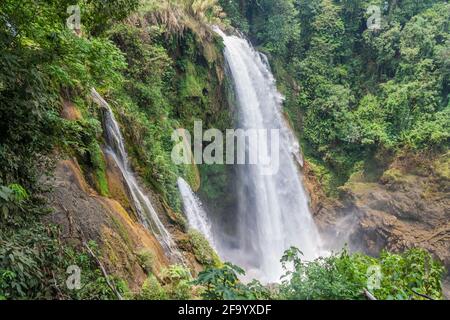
(89, 197)
(85, 216)
(409, 206)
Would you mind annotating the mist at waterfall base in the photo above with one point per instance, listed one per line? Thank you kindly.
(272, 211)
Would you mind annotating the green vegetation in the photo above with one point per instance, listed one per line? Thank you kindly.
(33, 261)
(346, 276)
(223, 284)
(413, 275)
(155, 81)
(99, 166)
(177, 286)
(171, 81)
(342, 276)
(202, 249)
(146, 260)
(356, 95)
(152, 290)
(42, 63)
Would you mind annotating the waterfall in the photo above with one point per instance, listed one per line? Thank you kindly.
(194, 211)
(116, 149)
(273, 212)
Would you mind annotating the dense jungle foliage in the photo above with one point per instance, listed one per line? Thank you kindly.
(357, 96)
(340, 276)
(354, 95)
(156, 80)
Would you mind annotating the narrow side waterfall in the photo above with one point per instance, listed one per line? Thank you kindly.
(194, 211)
(273, 212)
(116, 149)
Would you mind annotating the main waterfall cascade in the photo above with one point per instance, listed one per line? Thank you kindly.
(273, 211)
(196, 215)
(116, 149)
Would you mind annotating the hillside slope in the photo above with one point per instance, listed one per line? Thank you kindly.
(159, 67)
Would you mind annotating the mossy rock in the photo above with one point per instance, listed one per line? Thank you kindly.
(202, 250)
(193, 176)
(193, 83)
(441, 167)
(357, 176)
(99, 168)
(325, 178)
(392, 176)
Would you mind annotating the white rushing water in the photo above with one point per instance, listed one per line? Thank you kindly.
(273, 210)
(142, 204)
(194, 211)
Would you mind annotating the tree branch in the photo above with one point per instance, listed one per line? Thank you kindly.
(422, 295)
(369, 296)
(102, 268)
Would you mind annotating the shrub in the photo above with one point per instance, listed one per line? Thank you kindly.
(152, 290)
(146, 260)
(345, 276)
(180, 282)
(223, 284)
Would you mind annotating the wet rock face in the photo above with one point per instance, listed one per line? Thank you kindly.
(83, 216)
(396, 214)
(70, 111)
